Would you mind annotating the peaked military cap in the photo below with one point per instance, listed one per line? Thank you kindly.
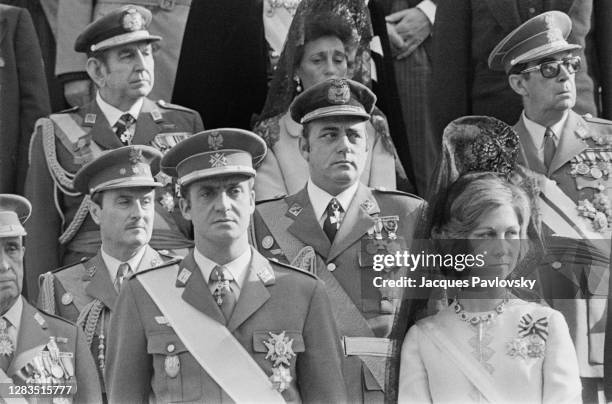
(214, 152)
(126, 24)
(333, 97)
(125, 167)
(14, 210)
(540, 36)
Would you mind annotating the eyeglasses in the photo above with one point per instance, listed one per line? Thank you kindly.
(552, 68)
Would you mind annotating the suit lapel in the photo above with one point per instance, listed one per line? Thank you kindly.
(305, 225)
(529, 156)
(101, 131)
(32, 334)
(356, 222)
(570, 141)
(101, 285)
(506, 13)
(196, 291)
(253, 294)
(146, 127)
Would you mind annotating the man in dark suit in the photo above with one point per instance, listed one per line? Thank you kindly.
(335, 225)
(23, 94)
(36, 348)
(224, 324)
(465, 33)
(121, 64)
(409, 27)
(121, 185)
(568, 154)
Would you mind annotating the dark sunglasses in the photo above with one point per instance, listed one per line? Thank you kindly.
(552, 68)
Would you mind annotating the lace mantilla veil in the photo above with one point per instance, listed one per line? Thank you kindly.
(283, 87)
(473, 144)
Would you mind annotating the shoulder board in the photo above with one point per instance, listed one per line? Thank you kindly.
(168, 105)
(67, 110)
(72, 265)
(166, 264)
(167, 254)
(590, 118)
(55, 317)
(276, 198)
(383, 190)
(282, 264)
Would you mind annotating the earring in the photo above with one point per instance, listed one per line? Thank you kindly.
(298, 83)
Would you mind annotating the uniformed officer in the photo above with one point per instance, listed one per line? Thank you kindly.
(224, 324)
(121, 187)
(571, 157)
(335, 225)
(120, 62)
(37, 350)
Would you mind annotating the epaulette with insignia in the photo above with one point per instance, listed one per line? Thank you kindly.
(395, 192)
(162, 265)
(168, 105)
(590, 118)
(167, 254)
(275, 198)
(73, 264)
(54, 316)
(282, 264)
(68, 110)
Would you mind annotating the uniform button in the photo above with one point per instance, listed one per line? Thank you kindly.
(556, 265)
(331, 267)
(170, 348)
(531, 10)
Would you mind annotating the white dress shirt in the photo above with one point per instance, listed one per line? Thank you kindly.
(238, 268)
(537, 132)
(113, 263)
(113, 114)
(319, 199)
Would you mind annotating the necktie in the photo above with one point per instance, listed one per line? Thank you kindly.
(549, 147)
(124, 128)
(333, 219)
(123, 272)
(7, 346)
(225, 297)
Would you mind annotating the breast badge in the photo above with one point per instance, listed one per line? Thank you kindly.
(280, 352)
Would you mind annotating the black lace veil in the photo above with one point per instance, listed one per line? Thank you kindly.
(283, 87)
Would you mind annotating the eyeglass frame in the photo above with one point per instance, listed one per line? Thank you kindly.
(565, 62)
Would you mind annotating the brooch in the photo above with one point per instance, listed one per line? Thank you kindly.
(531, 342)
(280, 352)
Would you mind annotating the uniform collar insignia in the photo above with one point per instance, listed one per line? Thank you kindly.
(182, 278)
(40, 320)
(368, 205)
(581, 130)
(295, 209)
(266, 276)
(90, 119)
(156, 115)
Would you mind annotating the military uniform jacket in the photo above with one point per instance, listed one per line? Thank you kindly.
(287, 229)
(84, 294)
(581, 170)
(65, 142)
(34, 333)
(284, 300)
